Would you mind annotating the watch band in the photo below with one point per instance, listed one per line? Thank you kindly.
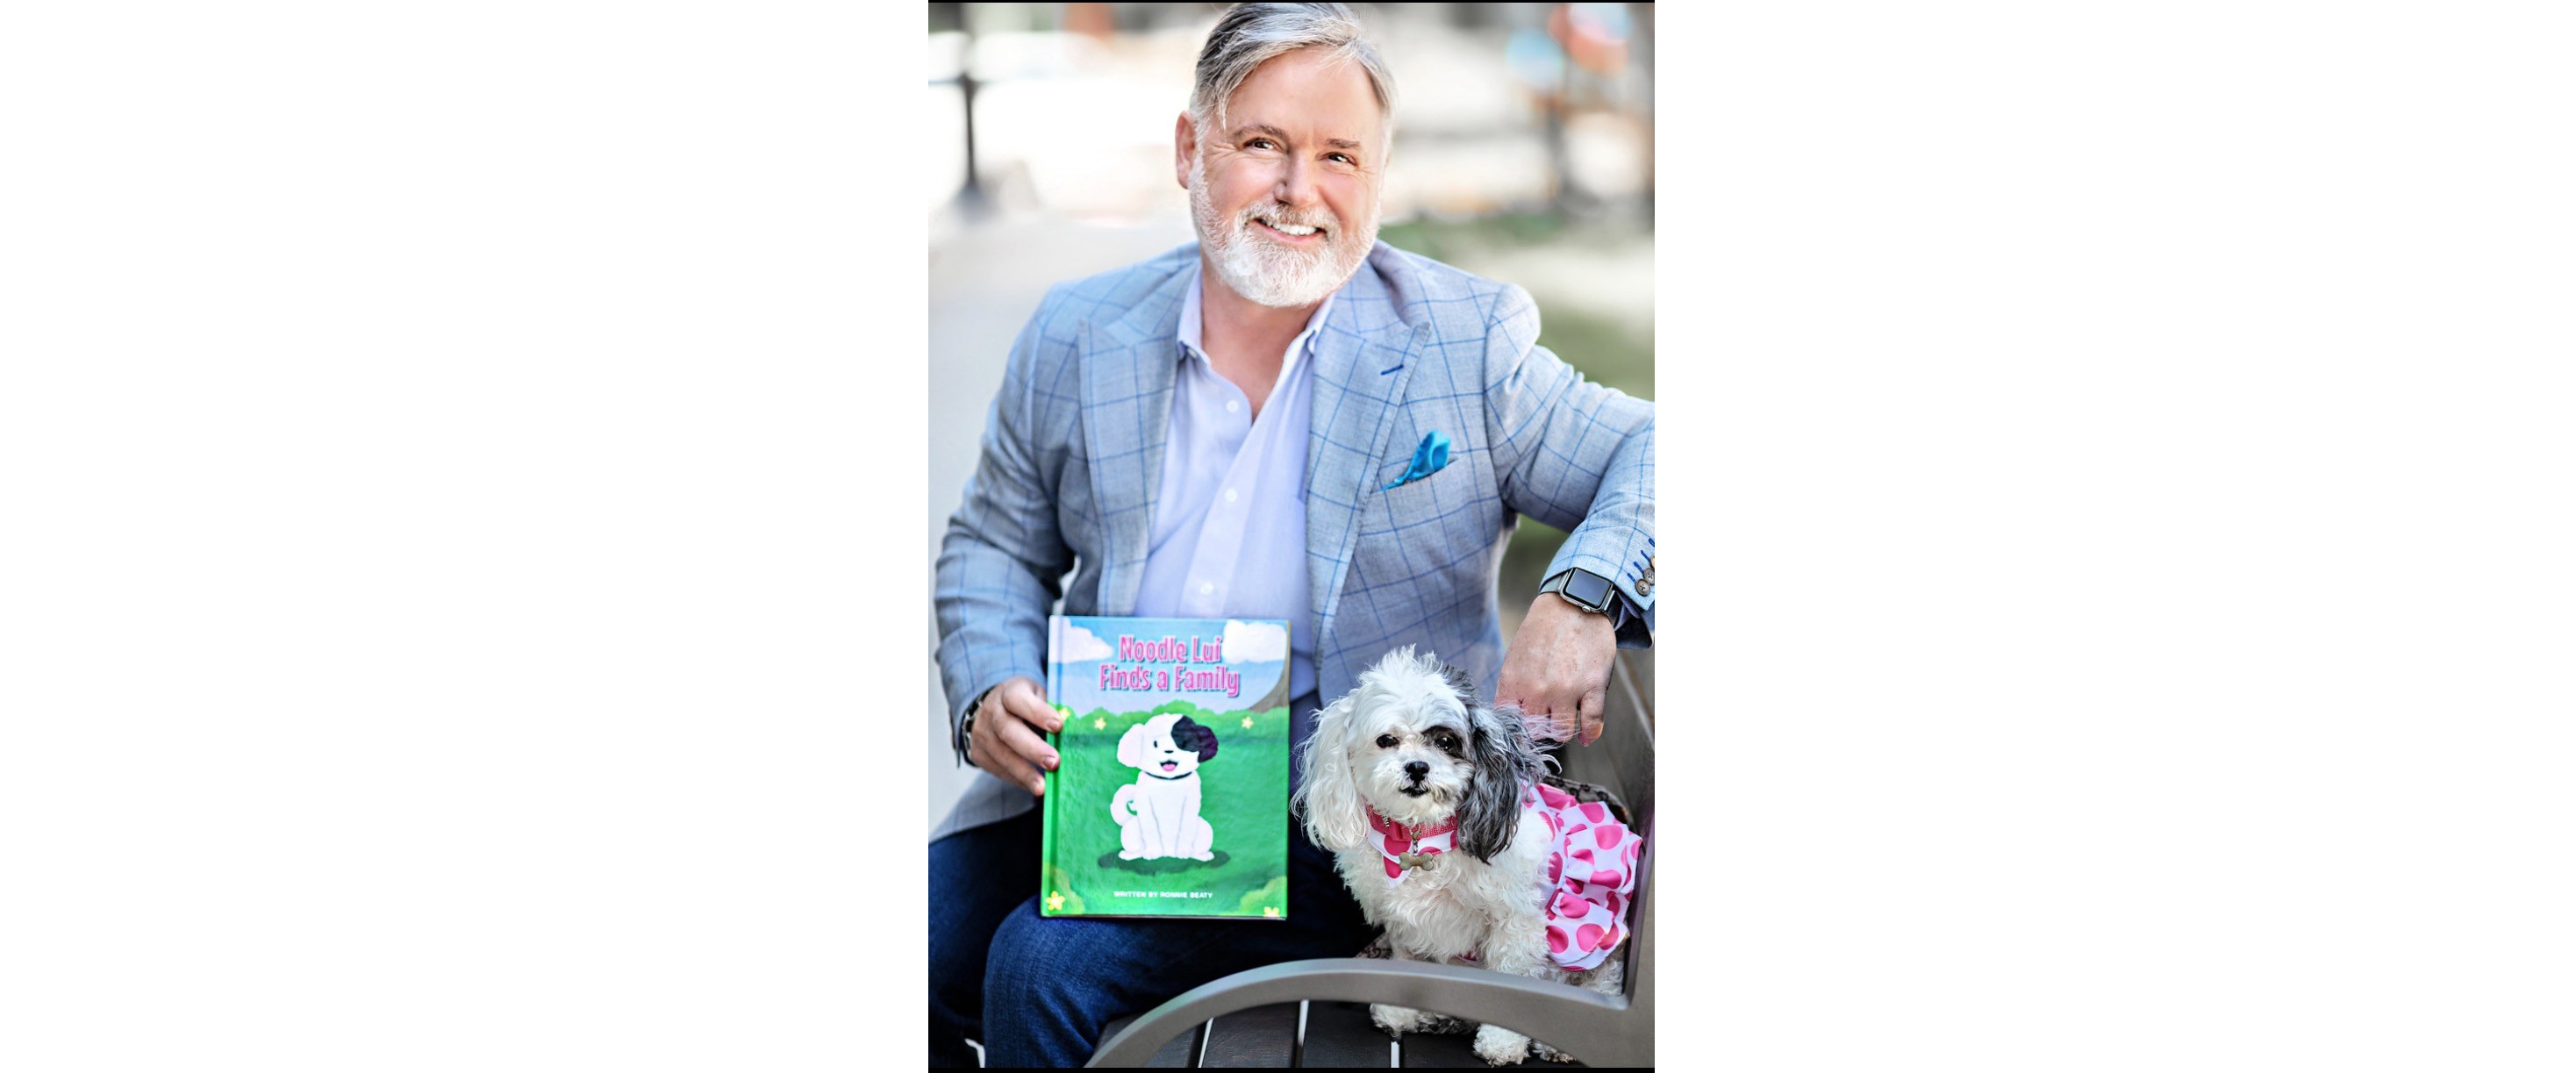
(1583, 589)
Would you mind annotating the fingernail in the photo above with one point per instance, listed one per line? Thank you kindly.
(1052, 761)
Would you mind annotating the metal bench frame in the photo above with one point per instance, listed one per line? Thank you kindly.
(1597, 1029)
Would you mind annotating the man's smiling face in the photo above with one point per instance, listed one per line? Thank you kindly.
(1285, 194)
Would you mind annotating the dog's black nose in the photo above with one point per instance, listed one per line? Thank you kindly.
(1417, 769)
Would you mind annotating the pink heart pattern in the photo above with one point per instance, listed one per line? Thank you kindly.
(1591, 871)
(1591, 876)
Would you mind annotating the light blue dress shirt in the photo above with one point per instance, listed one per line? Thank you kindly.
(1229, 536)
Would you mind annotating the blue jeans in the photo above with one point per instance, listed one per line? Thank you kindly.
(1037, 991)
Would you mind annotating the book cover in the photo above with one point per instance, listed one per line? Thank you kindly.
(1171, 794)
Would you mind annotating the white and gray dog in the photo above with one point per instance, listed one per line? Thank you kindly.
(1431, 804)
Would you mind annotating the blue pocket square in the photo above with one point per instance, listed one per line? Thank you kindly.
(1427, 460)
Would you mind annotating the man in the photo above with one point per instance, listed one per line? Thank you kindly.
(1283, 420)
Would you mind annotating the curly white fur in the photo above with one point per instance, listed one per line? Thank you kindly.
(1412, 742)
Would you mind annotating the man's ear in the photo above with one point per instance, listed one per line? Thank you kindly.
(1185, 145)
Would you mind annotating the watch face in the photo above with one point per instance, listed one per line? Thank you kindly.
(1589, 589)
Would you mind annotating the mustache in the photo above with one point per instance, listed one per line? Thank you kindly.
(1281, 214)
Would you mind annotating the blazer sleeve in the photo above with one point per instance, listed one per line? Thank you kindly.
(1003, 559)
(1574, 454)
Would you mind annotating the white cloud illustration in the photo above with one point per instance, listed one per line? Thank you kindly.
(1073, 644)
(1255, 642)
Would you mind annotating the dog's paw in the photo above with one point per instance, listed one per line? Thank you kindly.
(1202, 856)
(1128, 854)
(1546, 1053)
(1500, 1046)
(1395, 1020)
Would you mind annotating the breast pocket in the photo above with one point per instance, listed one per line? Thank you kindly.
(1407, 502)
(1428, 523)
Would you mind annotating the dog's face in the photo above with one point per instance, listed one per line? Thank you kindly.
(1413, 742)
(1167, 746)
(1406, 745)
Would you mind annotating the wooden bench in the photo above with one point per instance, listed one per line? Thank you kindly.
(1315, 1013)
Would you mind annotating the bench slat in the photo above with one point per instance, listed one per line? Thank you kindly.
(1263, 1037)
(1641, 666)
(1340, 1036)
(1174, 1055)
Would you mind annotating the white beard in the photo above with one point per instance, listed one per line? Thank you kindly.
(1264, 271)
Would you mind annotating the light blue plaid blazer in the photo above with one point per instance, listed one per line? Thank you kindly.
(1073, 453)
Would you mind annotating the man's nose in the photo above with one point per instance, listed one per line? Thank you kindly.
(1296, 185)
(1417, 769)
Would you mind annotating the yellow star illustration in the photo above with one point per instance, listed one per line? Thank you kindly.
(1247, 722)
(1055, 901)
(1270, 910)
(1100, 724)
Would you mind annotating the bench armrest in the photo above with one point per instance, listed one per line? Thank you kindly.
(1584, 1023)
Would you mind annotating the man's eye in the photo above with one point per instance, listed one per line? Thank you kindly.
(1343, 157)
(1386, 741)
(1257, 143)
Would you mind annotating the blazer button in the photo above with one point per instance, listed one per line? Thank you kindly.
(1645, 585)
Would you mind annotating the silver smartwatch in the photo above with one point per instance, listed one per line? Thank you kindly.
(1583, 589)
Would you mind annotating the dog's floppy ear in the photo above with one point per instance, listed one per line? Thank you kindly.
(1188, 734)
(1504, 758)
(1131, 746)
(1329, 799)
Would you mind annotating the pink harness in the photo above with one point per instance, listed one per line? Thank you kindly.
(1591, 870)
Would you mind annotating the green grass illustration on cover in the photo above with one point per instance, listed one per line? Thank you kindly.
(1172, 795)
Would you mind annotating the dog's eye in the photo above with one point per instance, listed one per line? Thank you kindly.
(1386, 741)
(1448, 742)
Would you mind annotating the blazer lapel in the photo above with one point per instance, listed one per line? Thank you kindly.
(1127, 370)
(1361, 366)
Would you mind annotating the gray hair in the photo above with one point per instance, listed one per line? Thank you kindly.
(1253, 34)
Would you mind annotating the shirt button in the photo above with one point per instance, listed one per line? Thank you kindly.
(1229, 495)
(1206, 587)
(1234, 406)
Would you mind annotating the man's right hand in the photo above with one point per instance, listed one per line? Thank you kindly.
(1009, 726)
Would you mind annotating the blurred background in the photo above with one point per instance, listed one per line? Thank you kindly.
(1524, 152)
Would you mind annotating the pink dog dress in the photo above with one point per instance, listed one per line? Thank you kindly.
(1591, 870)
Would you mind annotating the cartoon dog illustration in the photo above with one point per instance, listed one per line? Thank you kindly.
(1158, 816)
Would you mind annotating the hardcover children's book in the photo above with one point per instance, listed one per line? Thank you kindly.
(1171, 794)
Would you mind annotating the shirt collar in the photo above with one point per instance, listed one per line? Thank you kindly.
(1306, 340)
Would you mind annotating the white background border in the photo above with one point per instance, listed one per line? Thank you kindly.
(2122, 504)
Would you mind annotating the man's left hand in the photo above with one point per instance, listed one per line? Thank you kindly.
(1559, 665)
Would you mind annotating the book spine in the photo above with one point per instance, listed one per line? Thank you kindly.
(1048, 821)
